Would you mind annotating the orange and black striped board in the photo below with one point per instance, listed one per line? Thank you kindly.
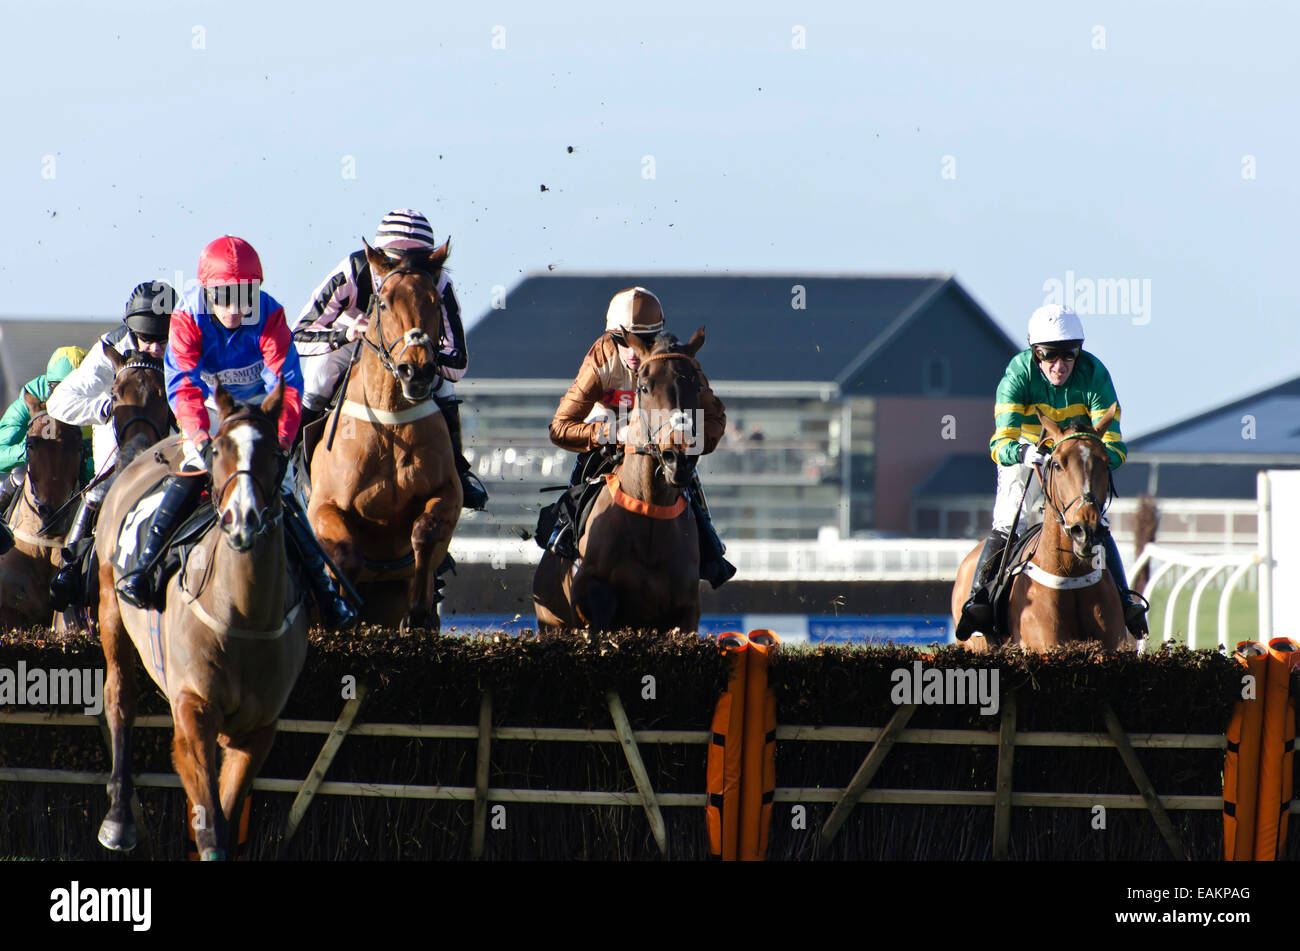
(1276, 752)
(245, 819)
(1241, 761)
(725, 762)
(758, 778)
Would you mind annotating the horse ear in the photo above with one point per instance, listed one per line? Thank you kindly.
(274, 401)
(225, 402)
(634, 343)
(693, 345)
(34, 405)
(438, 256)
(379, 263)
(1107, 418)
(1050, 427)
(114, 358)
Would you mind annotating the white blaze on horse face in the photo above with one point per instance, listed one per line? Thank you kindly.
(240, 511)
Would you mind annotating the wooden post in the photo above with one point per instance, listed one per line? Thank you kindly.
(870, 766)
(1002, 800)
(628, 741)
(328, 751)
(481, 775)
(1144, 786)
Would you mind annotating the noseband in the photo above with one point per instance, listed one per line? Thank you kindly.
(677, 419)
(269, 499)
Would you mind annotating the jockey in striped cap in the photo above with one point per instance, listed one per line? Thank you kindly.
(338, 313)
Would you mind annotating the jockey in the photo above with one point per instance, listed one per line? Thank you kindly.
(13, 433)
(85, 399)
(229, 331)
(1055, 376)
(339, 312)
(584, 423)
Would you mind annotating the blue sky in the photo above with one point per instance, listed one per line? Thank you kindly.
(1145, 142)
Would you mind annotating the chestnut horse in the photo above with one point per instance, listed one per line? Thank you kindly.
(42, 515)
(228, 647)
(1065, 592)
(639, 557)
(386, 497)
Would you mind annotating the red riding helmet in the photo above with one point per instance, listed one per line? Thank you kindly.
(229, 260)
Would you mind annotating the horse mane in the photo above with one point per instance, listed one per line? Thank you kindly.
(664, 343)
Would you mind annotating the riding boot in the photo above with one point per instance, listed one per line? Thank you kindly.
(309, 416)
(10, 484)
(475, 496)
(6, 536)
(63, 586)
(977, 612)
(336, 614)
(714, 569)
(1135, 606)
(180, 492)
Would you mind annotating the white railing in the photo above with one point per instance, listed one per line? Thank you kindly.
(1183, 567)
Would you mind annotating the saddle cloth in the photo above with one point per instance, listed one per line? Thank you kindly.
(135, 527)
(1022, 550)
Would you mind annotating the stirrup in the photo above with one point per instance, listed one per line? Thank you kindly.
(976, 616)
(135, 588)
(1135, 606)
(473, 494)
(561, 543)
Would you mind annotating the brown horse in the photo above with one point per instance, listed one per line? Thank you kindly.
(638, 556)
(386, 497)
(1065, 594)
(41, 518)
(140, 416)
(231, 642)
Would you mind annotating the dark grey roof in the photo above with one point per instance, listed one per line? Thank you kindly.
(1274, 427)
(26, 345)
(975, 475)
(843, 333)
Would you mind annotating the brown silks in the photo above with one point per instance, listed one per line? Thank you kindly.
(635, 505)
(1241, 761)
(758, 773)
(725, 759)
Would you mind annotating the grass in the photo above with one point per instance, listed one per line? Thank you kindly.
(1243, 616)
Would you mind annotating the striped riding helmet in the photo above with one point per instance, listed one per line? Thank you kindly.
(404, 229)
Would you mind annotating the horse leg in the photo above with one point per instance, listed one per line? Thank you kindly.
(194, 753)
(117, 831)
(549, 602)
(241, 761)
(596, 604)
(331, 527)
(430, 539)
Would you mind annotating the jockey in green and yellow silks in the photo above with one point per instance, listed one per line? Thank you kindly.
(1054, 377)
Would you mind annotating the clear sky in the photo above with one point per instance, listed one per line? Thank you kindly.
(1011, 144)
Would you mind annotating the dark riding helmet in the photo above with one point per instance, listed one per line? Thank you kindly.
(149, 309)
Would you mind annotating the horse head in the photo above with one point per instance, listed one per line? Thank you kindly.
(53, 461)
(667, 421)
(1077, 480)
(408, 311)
(140, 415)
(245, 492)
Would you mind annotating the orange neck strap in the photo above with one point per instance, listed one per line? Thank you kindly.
(648, 509)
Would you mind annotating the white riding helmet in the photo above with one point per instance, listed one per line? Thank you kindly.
(1053, 323)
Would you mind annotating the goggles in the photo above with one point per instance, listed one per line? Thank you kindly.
(1050, 354)
(240, 296)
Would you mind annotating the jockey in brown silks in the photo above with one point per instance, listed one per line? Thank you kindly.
(587, 422)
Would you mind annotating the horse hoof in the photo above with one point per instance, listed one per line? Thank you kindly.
(420, 621)
(118, 836)
(214, 855)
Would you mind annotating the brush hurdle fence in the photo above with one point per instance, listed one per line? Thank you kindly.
(1074, 738)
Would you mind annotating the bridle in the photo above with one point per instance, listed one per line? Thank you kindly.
(120, 429)
(1086, 497)
(678, 419)
(415, 337)
(67, 502)
(219, 494)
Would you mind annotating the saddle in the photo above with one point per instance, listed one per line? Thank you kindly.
(135, 527)
(576, 499)
(1022, 549)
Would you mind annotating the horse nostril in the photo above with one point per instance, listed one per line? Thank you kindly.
(404, 370)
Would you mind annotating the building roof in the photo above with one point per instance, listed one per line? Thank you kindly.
(842, 333)
(968, 475)
(1264, 423)
(26, 345)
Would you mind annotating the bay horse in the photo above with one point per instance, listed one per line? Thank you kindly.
(228, 647)
(42, 515)
(386, 497)
(638, 555)
(1065, 593)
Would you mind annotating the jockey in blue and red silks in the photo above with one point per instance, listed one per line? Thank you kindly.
(229, 331)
